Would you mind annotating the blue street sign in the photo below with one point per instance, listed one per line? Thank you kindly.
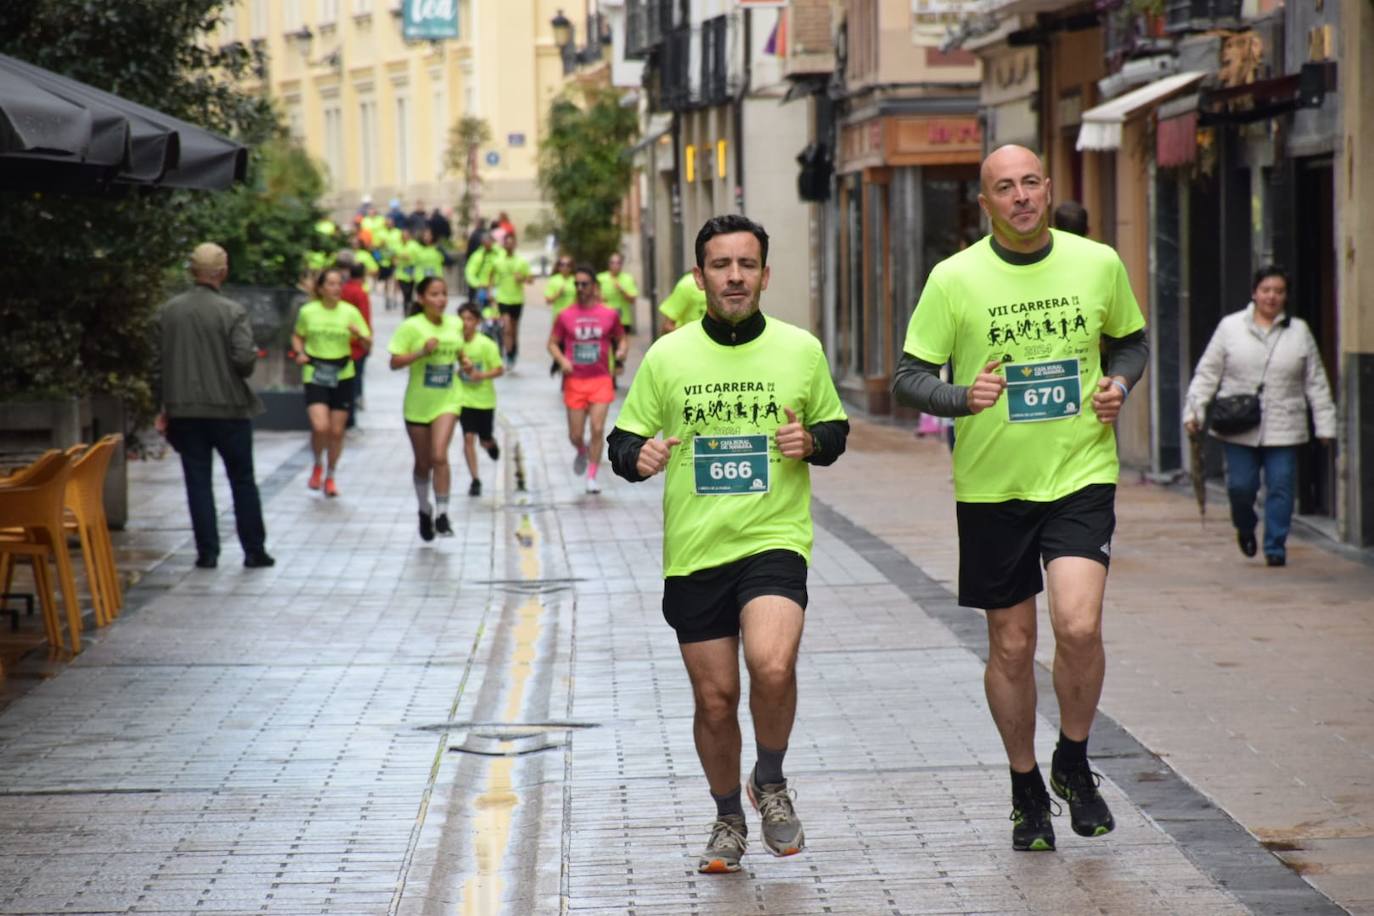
(493, 158)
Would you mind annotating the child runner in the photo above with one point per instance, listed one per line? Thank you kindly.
(480, 359)
(428, 343)
(325, 329)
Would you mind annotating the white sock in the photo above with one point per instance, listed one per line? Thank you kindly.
(421, 491)
(441, 503)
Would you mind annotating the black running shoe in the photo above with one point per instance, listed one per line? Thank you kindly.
(475, 488)
(1030, 817)
(442, 526)
(494, 450)
(1088, 811)
(426, 526)
(259, 559)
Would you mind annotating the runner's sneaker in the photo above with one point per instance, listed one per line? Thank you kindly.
(1088, 812)
(580, 462)
(475, 488)
(442, 526)
(593, 486)
(726, 846)
(494, 450)
(1030, 817)
(316, 476)
(426, 526)
(782, 829)
(330, 488)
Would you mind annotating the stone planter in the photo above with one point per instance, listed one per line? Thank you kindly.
(276, 378)
(28, 428)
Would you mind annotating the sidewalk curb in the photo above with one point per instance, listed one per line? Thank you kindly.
(1206, 834)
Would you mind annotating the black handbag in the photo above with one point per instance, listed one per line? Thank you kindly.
(1237, 413)
(1240, 413)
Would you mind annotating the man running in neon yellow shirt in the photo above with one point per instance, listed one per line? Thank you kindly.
(560, 290)
(685, 304)
(510, 275)
(744, 403)
(618, 290)
(1024, 313)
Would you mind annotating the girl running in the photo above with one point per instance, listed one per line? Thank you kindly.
(429, 342)
(481, 362)
(325, 329)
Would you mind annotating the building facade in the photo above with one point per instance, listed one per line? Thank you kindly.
(377, 109)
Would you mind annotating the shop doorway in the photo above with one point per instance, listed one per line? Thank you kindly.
(1313, 299)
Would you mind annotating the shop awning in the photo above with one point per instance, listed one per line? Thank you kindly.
(1101, 128)
(59, 134)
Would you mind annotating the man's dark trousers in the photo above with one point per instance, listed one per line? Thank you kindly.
(196, 439)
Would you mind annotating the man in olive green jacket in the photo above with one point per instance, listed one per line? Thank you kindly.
(206, 354)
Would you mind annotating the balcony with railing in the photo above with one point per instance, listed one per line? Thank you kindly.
(714, 87)
(647, 22)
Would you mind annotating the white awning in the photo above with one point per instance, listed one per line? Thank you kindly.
(1101, 128)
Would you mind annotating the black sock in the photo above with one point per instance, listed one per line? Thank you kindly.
(1070, 754)
(729, 804)
(768, 771)
(1028, 783)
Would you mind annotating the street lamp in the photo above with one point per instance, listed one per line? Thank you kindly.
(562, 30)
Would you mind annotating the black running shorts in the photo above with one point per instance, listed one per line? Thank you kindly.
(513, 310)
(706, 604)
(340, 397)
(477, 420)
(1003, 545)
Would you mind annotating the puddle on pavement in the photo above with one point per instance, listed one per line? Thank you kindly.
(504, 741)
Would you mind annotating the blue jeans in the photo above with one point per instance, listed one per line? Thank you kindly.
(1280, 464)
(197, 439)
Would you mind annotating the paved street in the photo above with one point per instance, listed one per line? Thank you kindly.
(500, 723)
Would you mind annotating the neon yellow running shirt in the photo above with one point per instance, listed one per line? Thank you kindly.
(622, 303)
(433, 387)
(326, 334)
(560, 292)
(485, 356)
(686, 303)
(1041, 441)
(729, 493)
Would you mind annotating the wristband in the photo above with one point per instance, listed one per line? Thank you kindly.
(1125, 392)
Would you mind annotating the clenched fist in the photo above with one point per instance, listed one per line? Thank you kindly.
(653, 456)
(986, 388)
(793, 439)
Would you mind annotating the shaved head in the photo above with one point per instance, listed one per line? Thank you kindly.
(1016, 198)
(1009, 158)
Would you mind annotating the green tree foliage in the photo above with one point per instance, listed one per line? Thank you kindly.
(466, 138)
(268, 224)
(585, 171)
(81, 276)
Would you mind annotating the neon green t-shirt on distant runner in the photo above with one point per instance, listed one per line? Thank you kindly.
(406, 256)
(477, 270)
(729, 493)
(433, 387)
(509, 275)
(560, 293)
(1041, 441)
(326, 334)
(427, 261)
(686, 303)
(485, 356)
(624, 304)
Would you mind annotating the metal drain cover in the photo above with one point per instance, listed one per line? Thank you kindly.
(513, 739)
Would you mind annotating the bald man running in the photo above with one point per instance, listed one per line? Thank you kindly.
(1023, 315)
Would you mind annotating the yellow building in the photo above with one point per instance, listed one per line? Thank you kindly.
(377, 109)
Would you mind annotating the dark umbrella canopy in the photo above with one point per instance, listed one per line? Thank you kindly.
(60, 134)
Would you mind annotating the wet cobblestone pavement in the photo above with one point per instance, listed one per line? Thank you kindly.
(499, 722)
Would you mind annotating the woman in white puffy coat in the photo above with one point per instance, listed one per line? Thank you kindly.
(1234, 363)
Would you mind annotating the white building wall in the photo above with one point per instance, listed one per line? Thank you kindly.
(773, 135)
